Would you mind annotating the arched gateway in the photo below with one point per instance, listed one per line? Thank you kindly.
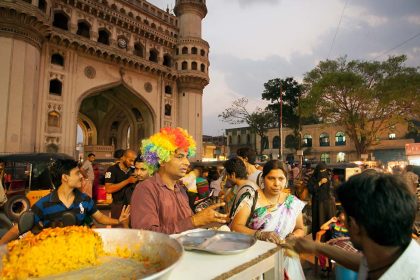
(115, 116)
(118, 70)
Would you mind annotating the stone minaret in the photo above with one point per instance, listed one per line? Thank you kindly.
(23, 28)
(192, 60)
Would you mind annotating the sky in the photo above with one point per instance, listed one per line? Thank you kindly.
(253, 41)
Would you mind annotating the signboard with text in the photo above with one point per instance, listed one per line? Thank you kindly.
(412, 149)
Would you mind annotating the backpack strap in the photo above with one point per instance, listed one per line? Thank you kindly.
(258, 181)
(240, 195)
(254, 204)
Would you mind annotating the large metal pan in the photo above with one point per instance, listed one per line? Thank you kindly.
(158, 247)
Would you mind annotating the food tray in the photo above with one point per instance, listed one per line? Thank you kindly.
(217, 242)
(164, 252)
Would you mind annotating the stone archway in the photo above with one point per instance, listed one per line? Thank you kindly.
(90, 134)
(111, 113)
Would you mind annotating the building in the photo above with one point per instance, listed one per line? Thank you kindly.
(322, 142)
(117, 69)
(214, 147)
(240, 137)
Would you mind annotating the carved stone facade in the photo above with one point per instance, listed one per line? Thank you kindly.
(118, 69)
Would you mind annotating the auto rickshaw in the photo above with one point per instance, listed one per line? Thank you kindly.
(26, 180)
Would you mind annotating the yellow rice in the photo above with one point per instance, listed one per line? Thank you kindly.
(53, 251)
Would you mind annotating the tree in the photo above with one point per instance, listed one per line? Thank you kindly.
(365, 97)
(413, 131)
(292, 91)
(259, 121)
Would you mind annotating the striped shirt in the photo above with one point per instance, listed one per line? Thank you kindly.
(49, 209)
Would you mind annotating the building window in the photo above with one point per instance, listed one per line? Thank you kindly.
(168, 110)
(167, 60)
(83, 29)
(168, 90)
(291, 142)
(184, 50)
(194, 50)
(392, 136)
(52, 148)
(42, 5)
(56, 87)
(103, 36)
(341, 157)
(265, 144)
(53, 119)
(57, 59)
(239, 139)
(184, 65)
(325, 157)
(276, 142)
(230, 140)
(248, 139)
(153, 55)
(138, 50)
(61, 20)
(307, 140)
(194, 65)
(340, 139)
(203, 53)
(324, 140)
(203, 67)
(177, 51)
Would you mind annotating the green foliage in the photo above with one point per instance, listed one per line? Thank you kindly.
(413, 131)
(365, 97)
(292, 91)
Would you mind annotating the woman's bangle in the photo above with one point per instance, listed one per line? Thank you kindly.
(257, 234)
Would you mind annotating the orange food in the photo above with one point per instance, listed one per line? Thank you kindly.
(53, 251)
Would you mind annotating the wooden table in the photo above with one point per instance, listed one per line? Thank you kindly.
(260, 258)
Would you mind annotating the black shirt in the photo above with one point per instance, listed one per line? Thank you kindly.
(115, 175)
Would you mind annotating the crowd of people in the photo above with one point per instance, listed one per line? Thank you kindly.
(163, 193)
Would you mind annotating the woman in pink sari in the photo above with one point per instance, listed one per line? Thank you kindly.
(271, 214)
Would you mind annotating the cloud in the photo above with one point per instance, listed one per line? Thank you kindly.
(414, 19)
(246, 3)
(389, 8)
(252, 41)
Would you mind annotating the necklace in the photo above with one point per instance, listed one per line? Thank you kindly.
(270, 202)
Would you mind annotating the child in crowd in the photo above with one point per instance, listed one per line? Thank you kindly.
(339, 235)
(336, 226)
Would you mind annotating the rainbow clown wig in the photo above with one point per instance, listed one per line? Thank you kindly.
(161, 146)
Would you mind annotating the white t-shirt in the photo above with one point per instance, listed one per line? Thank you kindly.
(254, 177)
(87, 166)
(406, 267)
(189, 182)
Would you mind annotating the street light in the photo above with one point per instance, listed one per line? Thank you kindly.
(281, 125)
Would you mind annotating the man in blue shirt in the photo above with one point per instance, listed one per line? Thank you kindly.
(67, 198)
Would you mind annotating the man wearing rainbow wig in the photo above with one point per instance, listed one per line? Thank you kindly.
(160, 203)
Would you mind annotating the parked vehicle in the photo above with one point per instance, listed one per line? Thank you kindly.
(27, 179)
(343, 171)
